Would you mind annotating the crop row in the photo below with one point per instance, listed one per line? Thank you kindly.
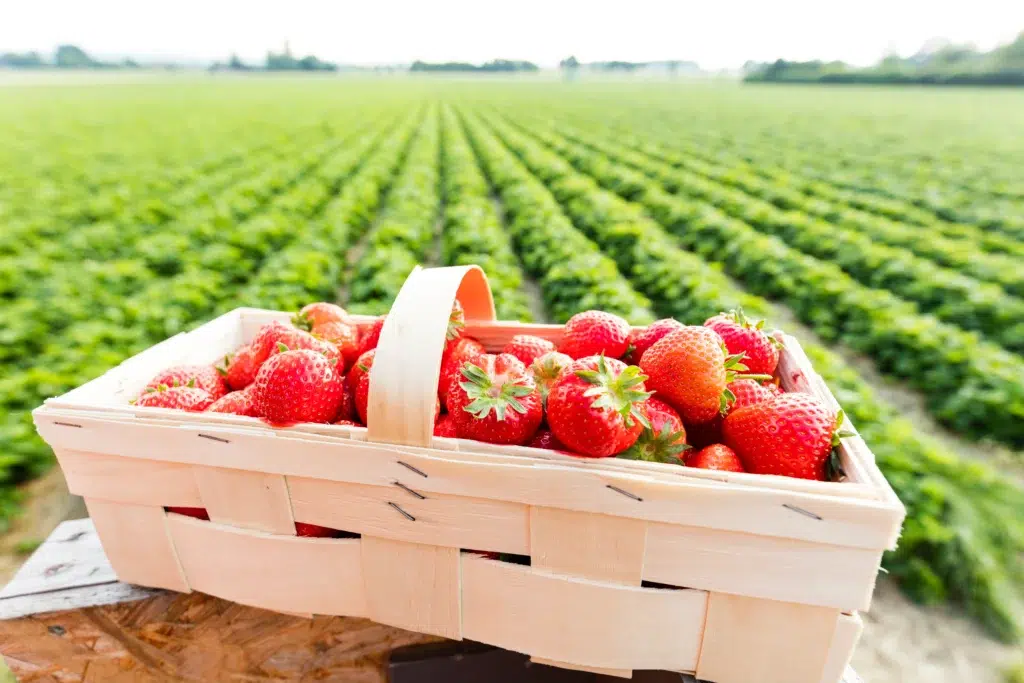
(473, 231)
(947, 294)
(973, 386)
(964, 529)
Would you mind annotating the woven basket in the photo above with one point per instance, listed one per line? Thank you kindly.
(634, 565)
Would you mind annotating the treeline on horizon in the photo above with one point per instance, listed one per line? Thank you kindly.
(944, 64)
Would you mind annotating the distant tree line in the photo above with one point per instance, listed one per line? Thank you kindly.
(64, 57)
(284, 61)
(493, 66)
(943, 64)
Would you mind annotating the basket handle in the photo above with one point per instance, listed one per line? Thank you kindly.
(407, 363)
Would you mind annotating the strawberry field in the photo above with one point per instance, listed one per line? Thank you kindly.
(888, 226)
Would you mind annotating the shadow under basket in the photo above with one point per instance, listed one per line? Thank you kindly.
(632, 565)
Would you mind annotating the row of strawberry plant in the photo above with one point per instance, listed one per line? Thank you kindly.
(974, 386)
(949, 295)
(962, 535)
(406, 228)
(572, 272)
(473, 231)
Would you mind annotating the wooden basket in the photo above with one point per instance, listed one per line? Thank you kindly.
(734, 577)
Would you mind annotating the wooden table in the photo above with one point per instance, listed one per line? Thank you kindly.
(66, 618)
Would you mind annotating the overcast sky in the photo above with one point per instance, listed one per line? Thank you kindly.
(715, 34)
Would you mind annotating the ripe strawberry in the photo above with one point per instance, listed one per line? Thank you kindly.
(792, 435)
(293, 340)
(204, 377)
(689, 369)
(596, 406)
(189, 398)
(455, 354)
(343, 335)
(347, 410)
(641, 340)
(595, 332)
(298, 386)
(545, 438)
(196, 513)
(445, 426)
(747, 392)
(715, 457)
(546, 370)
(314, 531)
(761, 350)
(265, 341)
(320, 313)
(528, 348)
(706, 433)
(497, 401)
(358, 381)
(239, 368)
(664, 441)
(369, 335)
(237, 403)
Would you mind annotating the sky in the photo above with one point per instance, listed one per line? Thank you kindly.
(718, 35)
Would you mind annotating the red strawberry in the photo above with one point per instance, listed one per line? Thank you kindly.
(265, 341)
(528, 348)
(369, 335)
(320, 313)
(204, 377)
(546, 370)
(665, 441)
(293, 340)
(358, 381)
(314, 531)
(689, 369)
(455, 354)
(715, 457)
(596, 406)
(792, 435)
(196, 513)
(189, 398)
(347, 410)
(343, 335)
(761, 350)
(595, 332)
(705, 433)
(239, 368)
(545, 438)
(641, 340)
(298, 386)
(445, 426)
(747, 392)
(237, 403)
(497, 401)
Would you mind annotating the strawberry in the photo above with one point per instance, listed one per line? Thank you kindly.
(747, 392)
(343, 335)
(314, 531)
(347, 410)
(497, 401)
(528, 348)
(688, 368)
(445, 427)
(298, 386)
(455, 354)
(545, 438)
(293, 340)
(546, 370)
(237, 403)
(196, 513)
(705, 433)
(664, 441)
(596, 406)
(358, 381)
(761, 350)
(320, 313)
(792, 435)
(715, 457)
(643, 339)
(369, 335)
(265, 341)
(595, 332)
(204, 377)
(239, 368)
(189, 398)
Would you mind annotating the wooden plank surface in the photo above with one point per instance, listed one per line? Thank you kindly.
(80, 624)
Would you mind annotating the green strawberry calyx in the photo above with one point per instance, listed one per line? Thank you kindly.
(488, 394)
(222, 370)
(834, 465)
(737, 316)
(456, 322)
(734, 370)
(617, 392)
(664, 446)
(302, 321)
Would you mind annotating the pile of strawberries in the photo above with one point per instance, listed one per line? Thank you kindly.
(701, 396)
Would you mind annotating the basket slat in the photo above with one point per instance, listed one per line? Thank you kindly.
(588, 546)
(848, 630)
(127, 480)
(248, 500)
